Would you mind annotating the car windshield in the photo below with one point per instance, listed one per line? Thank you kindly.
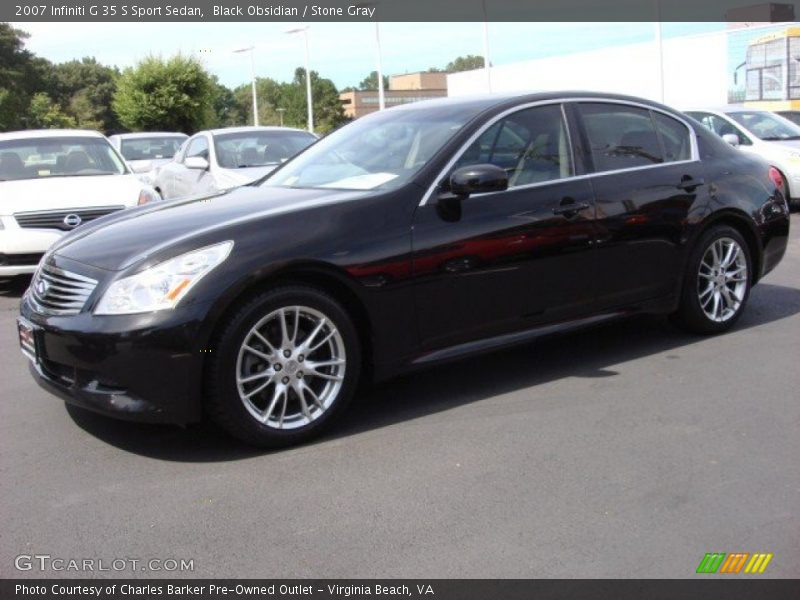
(150, 148)
(766, 126)
(41, 158)
(381, 151)
(259, 148)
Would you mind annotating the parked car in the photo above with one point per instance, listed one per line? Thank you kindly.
(792, 115)
(409, 237)
(146, 152)
(52, 181)
(221, 159)
(759, 132)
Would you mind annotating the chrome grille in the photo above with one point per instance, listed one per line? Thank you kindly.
(63, 219)
(58, 292)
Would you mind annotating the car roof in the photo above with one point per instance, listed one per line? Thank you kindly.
(724, 109)
(148, 134)
(49, 133)
(251, 129)
(509, 99)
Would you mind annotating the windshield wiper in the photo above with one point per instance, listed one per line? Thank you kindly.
(776, 138)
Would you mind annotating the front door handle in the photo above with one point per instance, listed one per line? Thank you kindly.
(689, 183)
(569, 208)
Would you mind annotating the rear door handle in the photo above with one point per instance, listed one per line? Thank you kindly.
(688, 183)
(570, 208)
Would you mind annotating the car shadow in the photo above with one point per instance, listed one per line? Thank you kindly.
(587, 353)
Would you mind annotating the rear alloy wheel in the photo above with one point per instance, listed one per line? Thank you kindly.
(717, 283)
(722, 280)
(287, 362)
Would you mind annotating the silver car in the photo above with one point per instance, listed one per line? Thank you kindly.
(147, 152)
(221, 159)
(759, 132)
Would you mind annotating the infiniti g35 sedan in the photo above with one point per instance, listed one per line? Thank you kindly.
(412, 236)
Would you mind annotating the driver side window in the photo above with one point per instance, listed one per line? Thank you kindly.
(198, 147)
(722, 127)
(531, 145)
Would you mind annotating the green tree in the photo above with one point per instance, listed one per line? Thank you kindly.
(43, 113)
(464, 63)
(85, 89)
(20, 76)
(370, 82)
(225, 110)
(171, 95)
(328, 113)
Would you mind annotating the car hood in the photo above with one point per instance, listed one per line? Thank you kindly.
(122, 239)
(245, 174)
(55, 193)
(784, 144)
(143, 166)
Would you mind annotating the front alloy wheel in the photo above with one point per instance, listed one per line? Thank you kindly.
(284, 364)
(290, 367)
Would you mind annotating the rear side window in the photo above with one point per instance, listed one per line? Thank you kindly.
(620, 137)
(675, 138)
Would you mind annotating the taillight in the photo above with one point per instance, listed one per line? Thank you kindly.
(777, 179)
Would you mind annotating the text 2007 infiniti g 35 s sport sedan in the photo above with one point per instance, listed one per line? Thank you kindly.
(412, 236)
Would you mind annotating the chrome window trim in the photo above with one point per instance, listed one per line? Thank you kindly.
(695, 154)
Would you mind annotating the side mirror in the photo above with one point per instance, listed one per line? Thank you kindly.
(732, 139)
(477, 179)
(196, 162)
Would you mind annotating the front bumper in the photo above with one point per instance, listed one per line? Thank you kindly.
(12, 271)
(21, 249)
(135, 367)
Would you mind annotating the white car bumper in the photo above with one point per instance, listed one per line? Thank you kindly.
(20, 248)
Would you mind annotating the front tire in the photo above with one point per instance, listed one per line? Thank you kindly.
(717, 282)
(285, 364)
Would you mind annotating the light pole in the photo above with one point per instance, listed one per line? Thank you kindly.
(280, 112)
(251, 50)
(381, 95)
(304, 31)
(659, 51)
(486, 65)
(378, 58)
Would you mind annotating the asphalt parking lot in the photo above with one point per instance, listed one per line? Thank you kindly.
(626, 451)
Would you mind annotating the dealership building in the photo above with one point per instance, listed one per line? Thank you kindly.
(753, 62)
(409, 87)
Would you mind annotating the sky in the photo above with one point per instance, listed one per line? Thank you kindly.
(343, 52)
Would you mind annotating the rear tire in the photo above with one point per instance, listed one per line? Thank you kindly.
(717, 282)
(283, 367)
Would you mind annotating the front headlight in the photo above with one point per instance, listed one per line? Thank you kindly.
(161, 286)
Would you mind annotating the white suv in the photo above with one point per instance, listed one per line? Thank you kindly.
(770, 136)
(51, 181)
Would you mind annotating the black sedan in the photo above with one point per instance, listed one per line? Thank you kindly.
(412, 236)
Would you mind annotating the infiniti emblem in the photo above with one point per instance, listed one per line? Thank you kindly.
(41, 287)
(72, 220)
